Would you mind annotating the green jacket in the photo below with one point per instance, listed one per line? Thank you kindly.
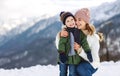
(64, 46)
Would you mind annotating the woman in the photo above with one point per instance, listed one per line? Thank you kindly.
(86, 68)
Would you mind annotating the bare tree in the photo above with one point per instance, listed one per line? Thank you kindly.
(106, 29)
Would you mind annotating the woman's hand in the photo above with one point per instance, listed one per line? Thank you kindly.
(76, 46)
(63, 33)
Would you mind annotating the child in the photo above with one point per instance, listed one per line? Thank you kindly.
(67, 56)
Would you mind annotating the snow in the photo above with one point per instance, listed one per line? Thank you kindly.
(106, 69)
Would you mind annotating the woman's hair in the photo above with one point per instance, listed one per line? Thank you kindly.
(101, 37)
(90, 28)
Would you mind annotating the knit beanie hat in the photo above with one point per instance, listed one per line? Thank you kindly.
(64, 15)
(83, 14)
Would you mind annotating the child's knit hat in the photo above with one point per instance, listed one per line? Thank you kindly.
(83, 14)
(64, 15)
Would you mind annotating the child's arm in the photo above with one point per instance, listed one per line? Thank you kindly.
(86, 47)
(61, 49)
(84, 42)
(61, 45)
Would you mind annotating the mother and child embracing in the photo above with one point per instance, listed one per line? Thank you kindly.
(78, 44)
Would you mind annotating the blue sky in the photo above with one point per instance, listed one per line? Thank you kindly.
(29, 8)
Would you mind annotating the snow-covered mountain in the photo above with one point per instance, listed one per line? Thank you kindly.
(106, 18)
(104, 11)
(31, 41)
(21, 23)
(13, 27)
(31, 44)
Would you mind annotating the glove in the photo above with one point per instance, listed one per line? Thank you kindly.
(63, 57)
(89, 56)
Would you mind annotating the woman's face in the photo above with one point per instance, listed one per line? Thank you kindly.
(70, 22)
(81, 24)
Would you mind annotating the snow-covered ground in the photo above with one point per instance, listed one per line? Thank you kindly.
(106, 69)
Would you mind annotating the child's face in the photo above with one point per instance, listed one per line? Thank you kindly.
(70, 22)
(81, 24)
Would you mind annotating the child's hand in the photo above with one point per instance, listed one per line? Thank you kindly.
(76, 46)
(63, 57)
(63, 33)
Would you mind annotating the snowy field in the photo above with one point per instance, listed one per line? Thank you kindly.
(106, 69)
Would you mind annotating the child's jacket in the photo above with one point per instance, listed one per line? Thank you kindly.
(64, 46)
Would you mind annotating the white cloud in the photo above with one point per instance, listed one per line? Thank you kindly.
(27, 8)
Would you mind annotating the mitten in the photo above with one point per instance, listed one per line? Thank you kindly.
(63, 57)
(89, 56)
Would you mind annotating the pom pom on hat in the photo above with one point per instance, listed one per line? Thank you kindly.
(62, 12)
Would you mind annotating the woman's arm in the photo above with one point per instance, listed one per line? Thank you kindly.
(94, 46)
(62, 33)
(80, 51)
(57, 39)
